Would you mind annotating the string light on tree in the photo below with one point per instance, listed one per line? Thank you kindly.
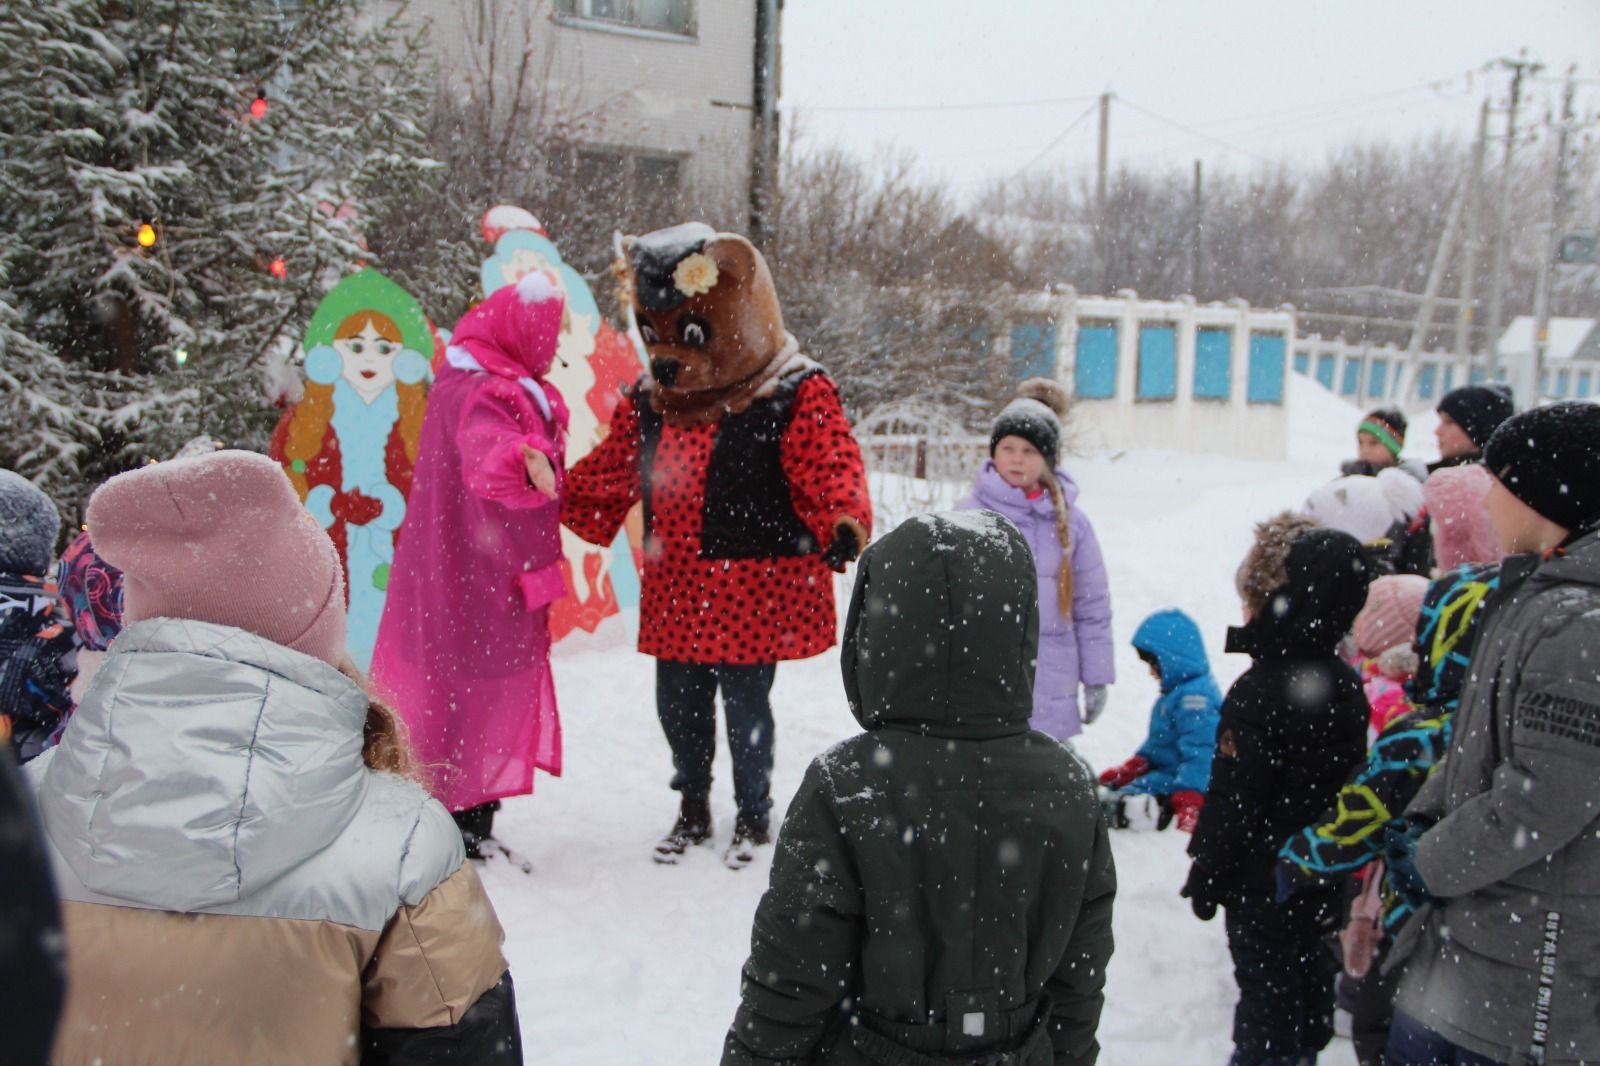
(180, 356)
(146, 235)
(258, 106)
(279, 268)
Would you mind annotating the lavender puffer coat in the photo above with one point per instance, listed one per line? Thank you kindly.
(1072, 651)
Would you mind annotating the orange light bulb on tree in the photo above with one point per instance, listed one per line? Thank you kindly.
(147, 235)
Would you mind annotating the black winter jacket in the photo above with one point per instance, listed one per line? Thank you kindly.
(943, 883)
(1292, 727)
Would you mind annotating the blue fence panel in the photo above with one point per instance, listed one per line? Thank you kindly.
(1327, 366)
(1302, 363)
(1583, 385)
(1094, 374)
(1033, 350)
(1158, 362)
(1563, 383)
(1351, 385)
(1425, 381)
(1378, 378)
(1264, 378)
(1479, 375)
(1213, 364)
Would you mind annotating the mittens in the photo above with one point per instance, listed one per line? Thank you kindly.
(1186, 807)
(1126, 774)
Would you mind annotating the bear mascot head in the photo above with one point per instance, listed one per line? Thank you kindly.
(708, 314)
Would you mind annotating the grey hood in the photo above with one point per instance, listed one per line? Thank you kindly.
(204, 763)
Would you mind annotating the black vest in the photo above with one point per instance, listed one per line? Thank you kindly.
(748, 512)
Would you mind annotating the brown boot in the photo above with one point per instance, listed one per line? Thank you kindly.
(747, 837)
(693, 827)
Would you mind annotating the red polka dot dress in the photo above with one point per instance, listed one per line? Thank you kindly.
(696, 607)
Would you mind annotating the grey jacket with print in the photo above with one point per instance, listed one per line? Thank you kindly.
(1510, 959)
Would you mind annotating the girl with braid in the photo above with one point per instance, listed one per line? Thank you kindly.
(1023, 481)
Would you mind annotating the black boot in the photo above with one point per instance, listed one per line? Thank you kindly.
(692, 827)
(476, 825)
(748, 835)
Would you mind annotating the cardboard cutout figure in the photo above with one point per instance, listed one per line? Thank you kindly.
(350, 443)
(594, 362)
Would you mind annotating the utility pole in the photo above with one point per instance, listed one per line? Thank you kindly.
(1520, 68)
(1194, 264)
(1470, 244)
(1102, 166)
(764, 127)
(1547, 250)
(1430, 293)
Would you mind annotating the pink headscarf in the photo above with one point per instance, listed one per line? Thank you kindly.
(513, 335)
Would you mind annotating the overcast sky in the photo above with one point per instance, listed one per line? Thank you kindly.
(1252, 80)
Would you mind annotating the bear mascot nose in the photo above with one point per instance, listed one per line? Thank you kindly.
(665, 371)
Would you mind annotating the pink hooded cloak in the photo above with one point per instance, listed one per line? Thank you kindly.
(463, 652)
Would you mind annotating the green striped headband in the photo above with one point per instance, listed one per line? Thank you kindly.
(1384, 432)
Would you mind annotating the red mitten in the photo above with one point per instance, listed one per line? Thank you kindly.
(354, 508)
(1126, 774)
(1186, 806)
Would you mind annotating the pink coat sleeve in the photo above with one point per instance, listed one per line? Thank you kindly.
(495, 423)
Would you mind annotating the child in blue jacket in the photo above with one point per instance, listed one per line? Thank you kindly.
(1173, 765)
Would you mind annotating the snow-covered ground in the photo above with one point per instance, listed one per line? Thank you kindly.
(620, 961)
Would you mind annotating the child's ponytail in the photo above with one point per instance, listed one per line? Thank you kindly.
(1064, 532)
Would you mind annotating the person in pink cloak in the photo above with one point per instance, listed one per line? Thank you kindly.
(463, 651)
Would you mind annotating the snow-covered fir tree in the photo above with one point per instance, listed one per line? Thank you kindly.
(180, 182)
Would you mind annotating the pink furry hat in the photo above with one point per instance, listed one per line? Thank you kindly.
(222, 538)
(1462, 532)
(1389, 619)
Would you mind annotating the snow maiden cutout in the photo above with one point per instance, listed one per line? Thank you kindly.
(594, 362)
(350, 444)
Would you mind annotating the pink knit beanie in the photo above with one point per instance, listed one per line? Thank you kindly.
(222, 538)
(1389, 619)
(1462, 532)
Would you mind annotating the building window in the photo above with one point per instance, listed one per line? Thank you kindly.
(1158, 361)
(1563, 383)
(648, 183)
(1033, 350)
(1351, 385)
(663, 16)
(1264, 377)
(1326, 365)
(1583, 385)
(1377, 378)
(1094, 375)
(1425, 381)
(1213, 363)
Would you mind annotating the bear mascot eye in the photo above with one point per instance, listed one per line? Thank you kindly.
(648, 332)
(694, 330)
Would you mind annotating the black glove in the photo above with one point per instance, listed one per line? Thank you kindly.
(1200, 891)
(845, 547)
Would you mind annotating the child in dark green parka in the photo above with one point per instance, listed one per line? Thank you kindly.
(943, 883)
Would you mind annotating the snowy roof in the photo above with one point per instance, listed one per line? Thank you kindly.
(1567, 338)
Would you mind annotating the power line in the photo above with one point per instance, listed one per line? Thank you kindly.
(1047, 149)
(992, 105)
(1175, 124)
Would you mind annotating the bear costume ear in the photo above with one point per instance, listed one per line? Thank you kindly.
(735, 257)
